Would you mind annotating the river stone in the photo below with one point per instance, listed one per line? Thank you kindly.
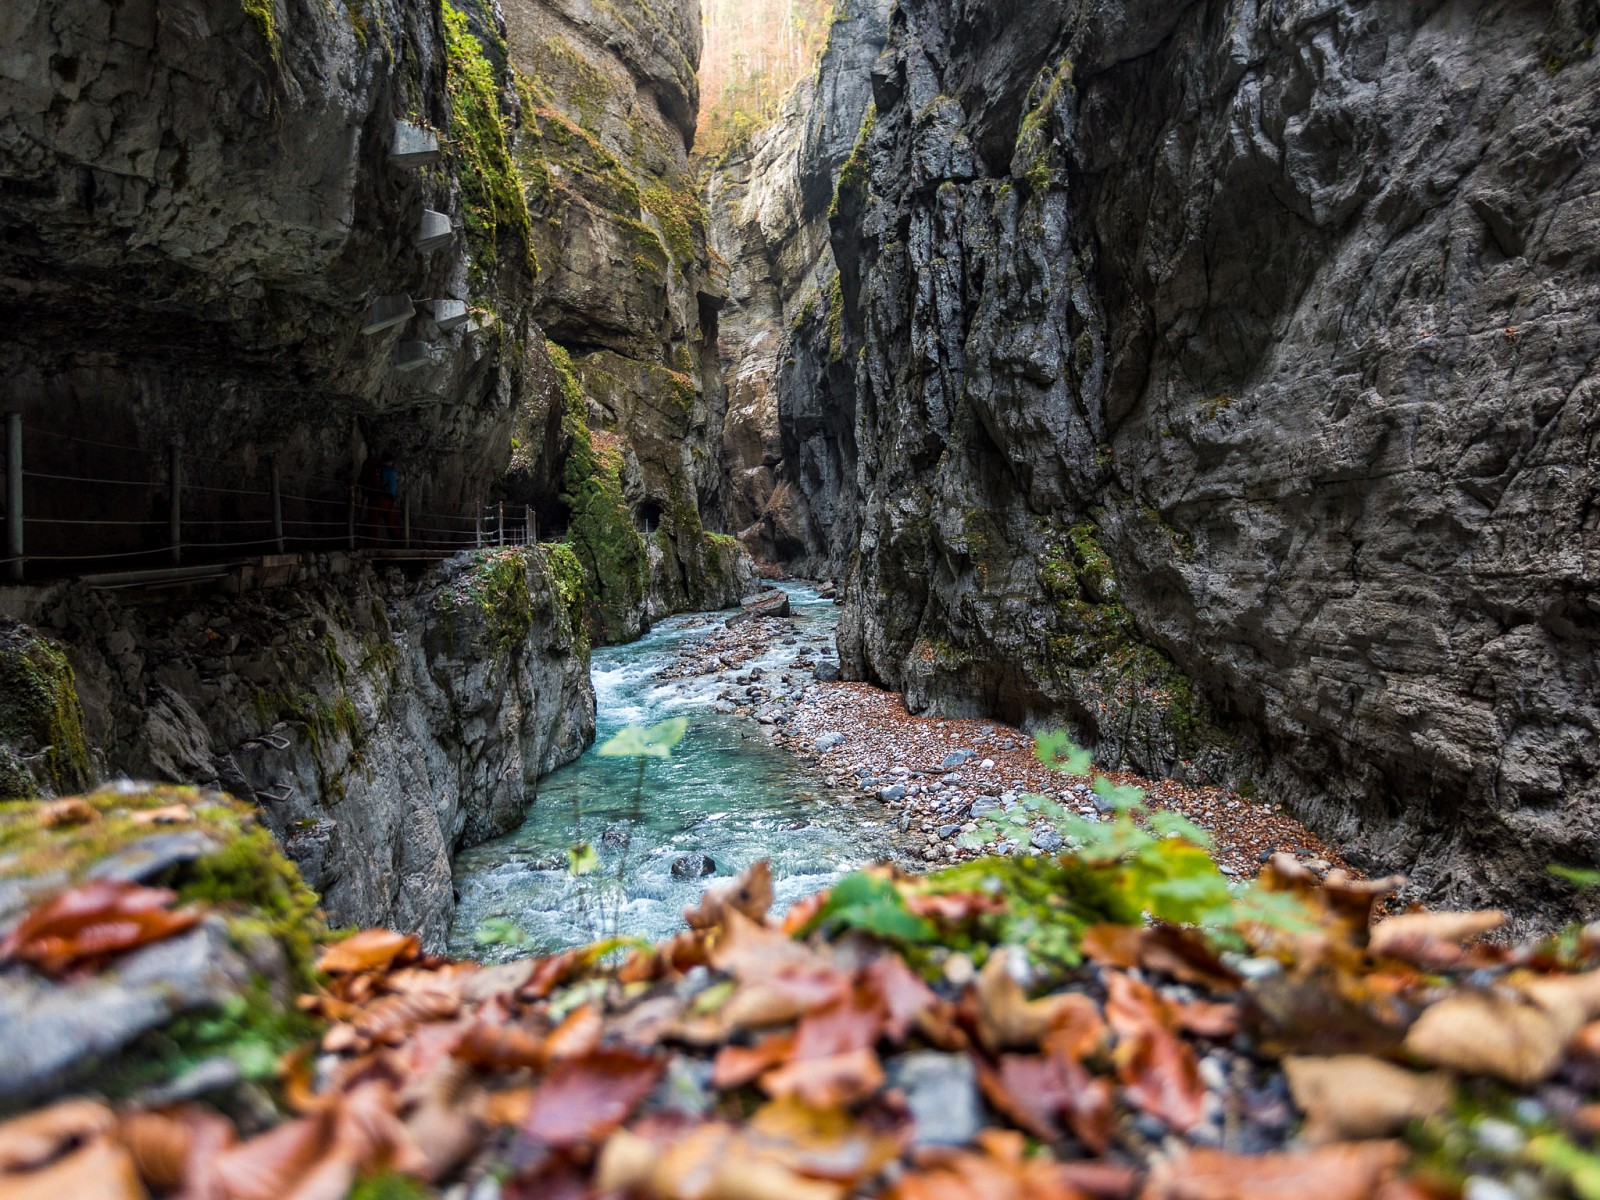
(941, 1091)
(1047, 840)
(958, 759)
(825, 672)
(890, 794)
(694, 866)
(829, 741)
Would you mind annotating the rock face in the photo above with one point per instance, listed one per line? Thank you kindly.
(789, 438)
(627, 289)
(200, 213)
(1223, 386)
(380, 724)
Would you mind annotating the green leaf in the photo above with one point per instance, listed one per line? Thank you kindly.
(976, 839)
(638, 742)
(1168, 823)
(1060, 753)
(1579, 876)
(582, 859)
(1121, 796)
(873, 905)
(1256, 905)
(498, 931)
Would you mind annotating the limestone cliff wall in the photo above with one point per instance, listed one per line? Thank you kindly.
(789, 438)
(1225, 379)
(630, 294)
(379, 722)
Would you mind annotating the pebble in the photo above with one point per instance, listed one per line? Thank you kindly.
(1480, 1187)
(941, 1091)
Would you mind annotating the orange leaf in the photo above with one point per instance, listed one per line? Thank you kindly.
(94, 921)
(71, 811)
(829, 1082)
(903, 994)
(1348, 1171)
(369, 950)
(500, 1047)
(584, 1099)
(171, 814)
(1034, 1092)
(738, 1065)
(577, 1036)
(100, 1170)
(954, 908)
(33, 1139)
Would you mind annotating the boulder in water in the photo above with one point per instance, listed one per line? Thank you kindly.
(826, 672)
(768, 604)
(694, 866)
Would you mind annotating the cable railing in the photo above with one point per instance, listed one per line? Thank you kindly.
(203, 521)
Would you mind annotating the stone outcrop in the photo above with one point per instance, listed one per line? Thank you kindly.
(628, 291)
(380, 723)
(1223, 387)
(200, 212)
(789, 437)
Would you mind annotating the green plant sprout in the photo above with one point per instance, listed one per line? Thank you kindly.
(1163, 860)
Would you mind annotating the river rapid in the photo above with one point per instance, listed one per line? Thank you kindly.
(725, 792)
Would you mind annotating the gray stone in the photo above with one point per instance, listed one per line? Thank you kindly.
(694, 866)
(1047, 840)
(941, 1091)
(830, 740)
(147, 859)
(826, 672)
(949, 831)
(892, 793)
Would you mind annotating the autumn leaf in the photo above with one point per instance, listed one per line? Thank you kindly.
(1432, 939)
(1349, 1171)
(999, 1170)
(710, 1162)
(750, 895)
(1036, 1093)
(953, 908)
(577, 1036)
(583, 1099)
(92, 922)
(1354, 1096)
(35, 1138)
(735, 1066)
(1007, 1019)
(171, 814)
(59, 813)
(99, 1170)
(369, 950)
(827, 1082)
(822, 1143)
(1159, 1070)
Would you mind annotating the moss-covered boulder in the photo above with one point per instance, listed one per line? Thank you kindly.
(208, 1009)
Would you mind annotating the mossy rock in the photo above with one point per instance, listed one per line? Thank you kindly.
(39, 714)
(260, 936)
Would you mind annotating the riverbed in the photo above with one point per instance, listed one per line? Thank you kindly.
(726, 792)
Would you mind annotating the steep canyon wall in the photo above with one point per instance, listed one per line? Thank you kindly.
(1223, 383)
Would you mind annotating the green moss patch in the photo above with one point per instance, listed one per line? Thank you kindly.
(39, 712)
(494, 208)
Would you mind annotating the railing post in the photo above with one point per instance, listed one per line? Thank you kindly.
(350, 518)
(175, 503)
(477, 526)
(277, 505)
(500, 522)
(406, 518)
(527, 526)
(14, 545)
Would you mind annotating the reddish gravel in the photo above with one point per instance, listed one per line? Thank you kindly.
(887, 753)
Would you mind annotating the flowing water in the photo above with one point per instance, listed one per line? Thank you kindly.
(725, 792)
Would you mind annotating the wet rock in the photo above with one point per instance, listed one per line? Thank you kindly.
(892, 793)
(831, 740)
(693, 866)
(767, 604)
(826, 672)
(1047, 840)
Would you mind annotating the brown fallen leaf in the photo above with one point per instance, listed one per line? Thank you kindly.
(1159, 1071)
(35, 1138)
(736, 1066)
(953, 908)
(1499, 1033)
(1432, 939)
(822, 1143)
(174, 1147)
(1349, 1171)
(582, 1100)
(369, 950)
(99, 1170)
(709, 1163)
(1037, 1093)
(750, 895)
(999, 1170)
(92, 922)
(500, 1047)
(577, 1036)
(827, 1082)
(1007, 1019)
(71, 811)
(1353, 1096)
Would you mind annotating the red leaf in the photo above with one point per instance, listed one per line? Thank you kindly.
(584, 1099)
(94, 921)
(738, 1065)
(905, 997)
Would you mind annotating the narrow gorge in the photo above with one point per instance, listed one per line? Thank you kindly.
(507, 472)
